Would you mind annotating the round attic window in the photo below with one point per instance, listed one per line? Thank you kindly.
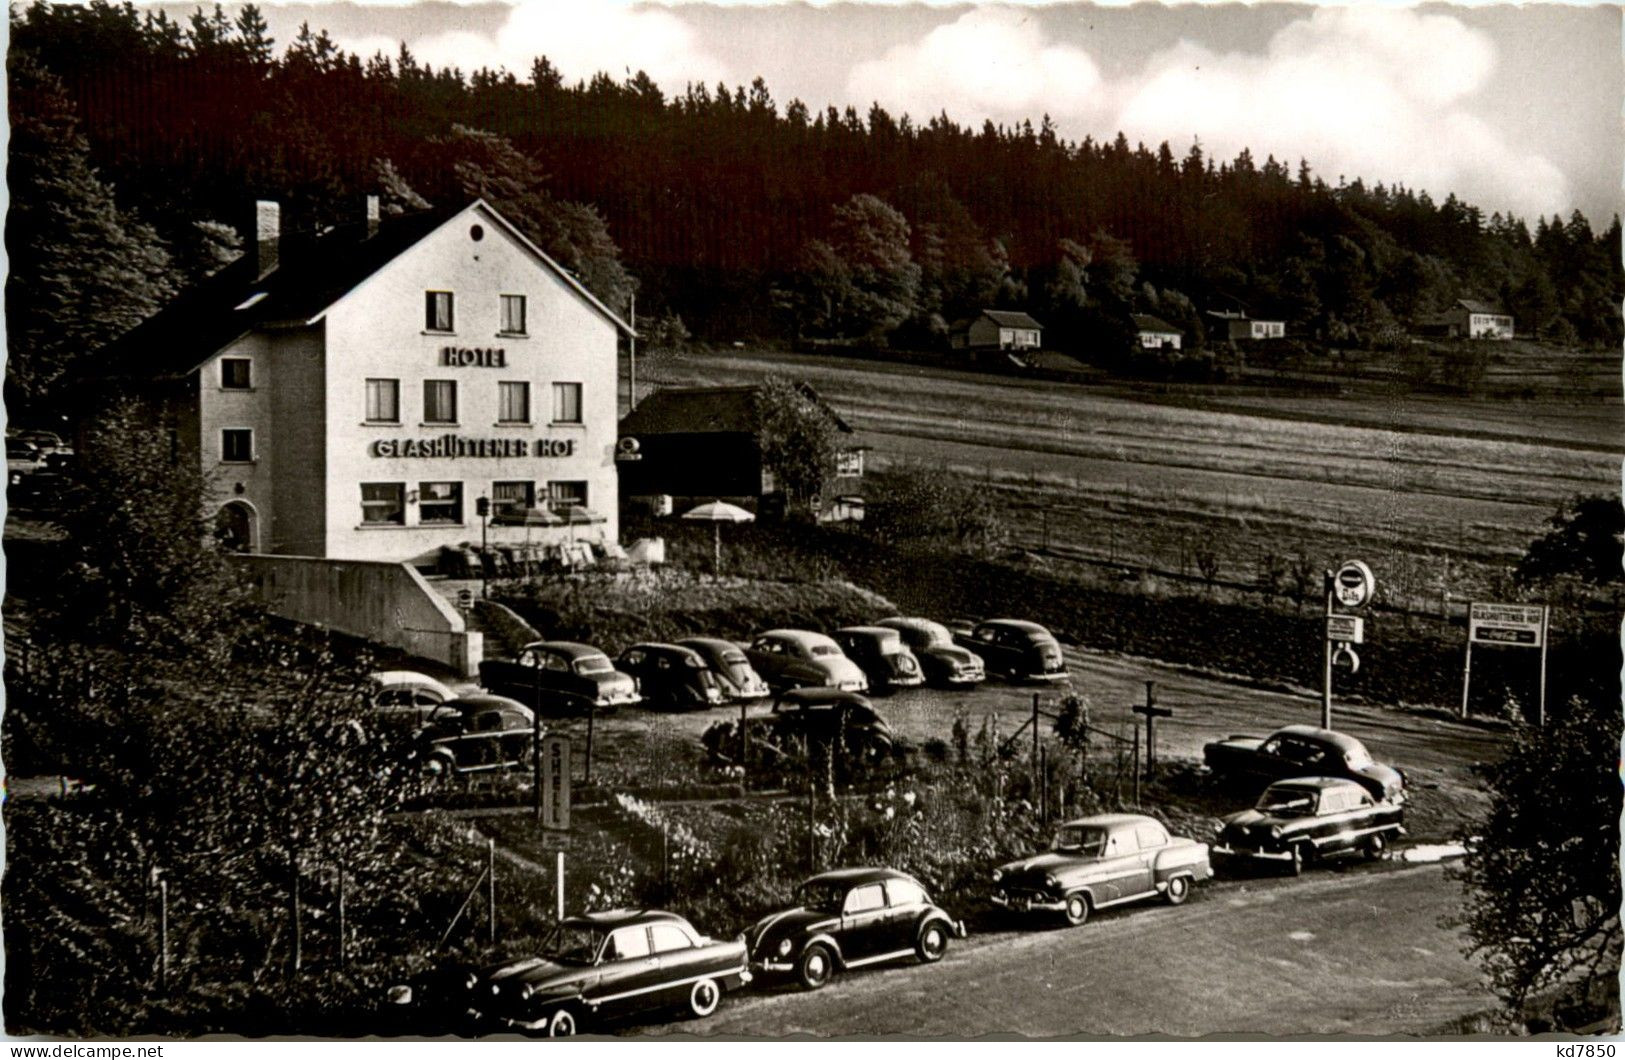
(476, 233)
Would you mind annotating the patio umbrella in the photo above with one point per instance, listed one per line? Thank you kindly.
(527, 518)
(716, 513)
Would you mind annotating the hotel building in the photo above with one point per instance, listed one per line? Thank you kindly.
(354, 394)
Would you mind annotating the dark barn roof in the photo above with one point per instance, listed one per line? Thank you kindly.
(1011, 318)
(1147, 322)
(708, 410)
(1473, 305)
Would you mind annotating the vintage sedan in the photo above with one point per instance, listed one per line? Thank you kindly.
(797, 658)
(882, 656)
(849, 918)
(1101, 861)
(1016, 650)
(670, 675)
(474, 734)
(944, 663)
(1298, 822)
(560, 677)
(733, 671)
(607, 965)
(821, 715)
(1303, 751)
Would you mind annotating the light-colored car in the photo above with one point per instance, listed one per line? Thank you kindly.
(1300, 821)
(799, 658)
(1105, 860)
(406, 698)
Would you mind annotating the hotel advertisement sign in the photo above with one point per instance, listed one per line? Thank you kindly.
(1507, 625)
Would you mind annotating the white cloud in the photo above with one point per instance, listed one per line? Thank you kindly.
(1380, 94)
(580, 37)
(990, 62)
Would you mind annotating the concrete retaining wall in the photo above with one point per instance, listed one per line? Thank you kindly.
(388, 603)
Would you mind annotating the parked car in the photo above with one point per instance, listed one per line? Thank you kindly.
(820, 715)
(1016, 649)
(849, 918)
(670, 675)
(797, 658)
(560, 676)
(1101, 861)
(474, 734)
(600, 966)
(407, 688)
(727, 661)
(944, 663)
(882, 656)
(1300, 821)
(1303, 751)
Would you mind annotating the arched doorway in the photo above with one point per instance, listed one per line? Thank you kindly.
(237, 525)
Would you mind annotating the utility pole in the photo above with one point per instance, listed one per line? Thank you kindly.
(1326, 670)
(632, 360)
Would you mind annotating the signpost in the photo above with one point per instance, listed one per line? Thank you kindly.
(1351, 585)
(1507, 626)
(555, 755)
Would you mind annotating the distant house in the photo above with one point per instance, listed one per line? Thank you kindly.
(1156, 334)
(998, 329)
(1238, 325)
(1472, 319)
(704, 443)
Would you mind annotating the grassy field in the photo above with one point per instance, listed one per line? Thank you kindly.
(1440, 495)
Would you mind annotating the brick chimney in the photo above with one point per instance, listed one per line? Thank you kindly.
(372, 216)
(267, 236)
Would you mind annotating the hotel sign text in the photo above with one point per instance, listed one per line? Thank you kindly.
(473, 357)
(454, 446)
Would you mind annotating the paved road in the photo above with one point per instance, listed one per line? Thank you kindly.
(1336, 952)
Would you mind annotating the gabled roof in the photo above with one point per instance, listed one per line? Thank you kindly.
(709, 410)
(314, 271)
(1473, 305)
(1011, 318)
(1147, 322)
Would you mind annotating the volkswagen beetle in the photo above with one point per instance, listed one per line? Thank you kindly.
(850, 918)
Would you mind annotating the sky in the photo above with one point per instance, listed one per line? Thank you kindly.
(1512, 108)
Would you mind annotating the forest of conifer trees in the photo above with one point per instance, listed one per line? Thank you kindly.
(739, 216)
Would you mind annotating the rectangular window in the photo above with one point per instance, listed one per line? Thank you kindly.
(440, 502)
(237, 445)
(512, 497)
(514, 402)
(437, 311)
(513, 314)
(383, 503)
(383, 401)
(849, 463)
(566, 402)
(439, 401)
(567, 494)
(236, 373)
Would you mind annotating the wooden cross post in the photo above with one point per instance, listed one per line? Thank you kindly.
(1151, 712)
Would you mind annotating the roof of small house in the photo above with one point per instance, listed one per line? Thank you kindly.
(1011, 318)
(314, 271)
(1473, 305)
(1147, 322)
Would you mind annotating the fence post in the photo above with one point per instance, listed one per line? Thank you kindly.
(1134, 767)
(1043, 785)
(1035, 735)
(298, 922)
(491, 885)
(343, 935)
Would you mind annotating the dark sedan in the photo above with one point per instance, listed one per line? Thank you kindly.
(944, 663)
(670, 675)
(727, 661)
(1298, 822)
(882, 656)
(560, 676)
(1016, 650)
(607, 965)
(1303, 751)
(473, 734)
(849, 918)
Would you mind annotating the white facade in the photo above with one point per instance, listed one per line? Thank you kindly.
(1156, 340)
(376, 428)
(1489, 326)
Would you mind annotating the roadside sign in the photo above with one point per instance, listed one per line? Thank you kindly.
(1347, 629)
(1353, 584)
(555, 841)
(556, 782)
(1510, 625)
(1346, 658)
